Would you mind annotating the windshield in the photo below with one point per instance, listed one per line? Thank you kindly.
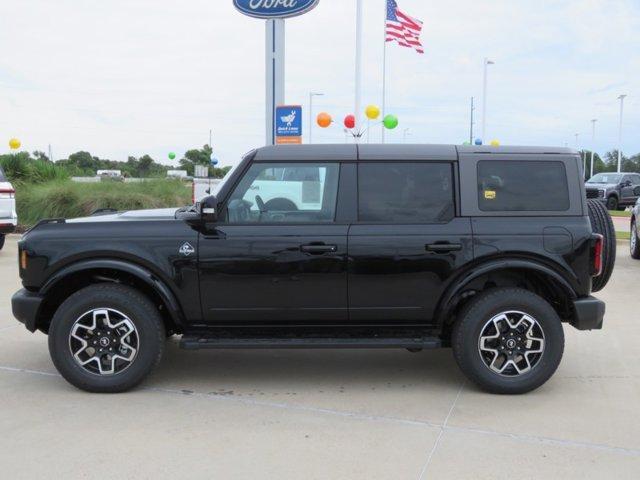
(606, 178)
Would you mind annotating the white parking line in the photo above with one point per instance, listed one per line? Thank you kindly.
(442, 429)
(633, 452)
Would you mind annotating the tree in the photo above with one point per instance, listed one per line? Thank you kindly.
(195, 157)
(38, 155)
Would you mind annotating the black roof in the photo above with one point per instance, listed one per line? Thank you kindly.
(392, 151)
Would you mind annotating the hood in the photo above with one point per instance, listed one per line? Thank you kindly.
(601, 186)
(131, 215)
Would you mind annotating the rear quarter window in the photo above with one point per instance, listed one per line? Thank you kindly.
(522, 186)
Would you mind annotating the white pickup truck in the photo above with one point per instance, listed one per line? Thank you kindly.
(8, 216)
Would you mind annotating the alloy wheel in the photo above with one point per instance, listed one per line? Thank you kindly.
(104, 341)
(511, 343)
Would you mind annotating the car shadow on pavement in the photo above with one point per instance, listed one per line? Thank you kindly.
(301, 369)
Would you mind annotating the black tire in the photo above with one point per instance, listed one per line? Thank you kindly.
(612, 203)
(634, 243)
(477, 315)
(141, 312)
(2, 239)
(601, 223)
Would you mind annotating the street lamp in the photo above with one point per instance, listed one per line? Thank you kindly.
(621, 98)
(311, 95)
(486, 63)
(593, 142)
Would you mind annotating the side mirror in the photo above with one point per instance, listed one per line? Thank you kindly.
(209, 209)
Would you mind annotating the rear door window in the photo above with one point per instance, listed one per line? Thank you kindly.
(523, 186)
(399, 192)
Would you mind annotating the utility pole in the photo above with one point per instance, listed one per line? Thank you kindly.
(210, 138)
(486, 63)
(311, 95)
(471, 125)
(621, 98)
(593, 142)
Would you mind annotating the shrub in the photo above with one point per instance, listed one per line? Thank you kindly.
(67, 199)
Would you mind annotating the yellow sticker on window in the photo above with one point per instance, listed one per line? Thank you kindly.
(490, 194)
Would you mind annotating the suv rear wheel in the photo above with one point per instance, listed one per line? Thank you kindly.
(106, 338)
(612, 203)
(508, 340)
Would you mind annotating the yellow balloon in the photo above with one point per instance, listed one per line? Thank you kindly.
(495, 143)
(14, 144)
(372, 112)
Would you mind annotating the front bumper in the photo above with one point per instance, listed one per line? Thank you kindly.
(589, 313)
(25, 306)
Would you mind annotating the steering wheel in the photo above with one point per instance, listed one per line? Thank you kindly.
(261, 205)
(239, 210)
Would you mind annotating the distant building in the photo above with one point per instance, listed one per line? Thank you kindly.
(177, 173)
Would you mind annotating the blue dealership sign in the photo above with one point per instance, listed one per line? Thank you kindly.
(289, 123)
(274, 8)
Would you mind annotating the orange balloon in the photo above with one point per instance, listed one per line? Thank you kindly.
(324, 120)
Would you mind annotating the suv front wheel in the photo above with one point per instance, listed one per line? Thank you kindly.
(106, 338)
(508, 340)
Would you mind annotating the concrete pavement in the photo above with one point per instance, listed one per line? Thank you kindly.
(326, 414)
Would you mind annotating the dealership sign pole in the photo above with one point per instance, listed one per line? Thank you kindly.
(274, 12)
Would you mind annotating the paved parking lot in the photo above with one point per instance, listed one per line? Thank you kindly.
(326, 414)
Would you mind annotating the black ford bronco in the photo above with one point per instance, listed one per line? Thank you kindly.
(485, 250)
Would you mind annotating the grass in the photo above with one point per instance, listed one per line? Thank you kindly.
(623, 235)
(618, 213)
(67, 199)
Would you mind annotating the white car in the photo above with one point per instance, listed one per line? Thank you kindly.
(8, 215)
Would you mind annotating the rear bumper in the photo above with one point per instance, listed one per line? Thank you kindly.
(25, 306)
(7, 226)
(589, 313)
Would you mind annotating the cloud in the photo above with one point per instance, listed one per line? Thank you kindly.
(128, 77)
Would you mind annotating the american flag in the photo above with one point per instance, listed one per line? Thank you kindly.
(402, 28)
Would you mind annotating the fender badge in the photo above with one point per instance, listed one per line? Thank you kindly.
(186, 249)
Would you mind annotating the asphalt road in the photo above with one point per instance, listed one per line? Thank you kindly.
(326, 414)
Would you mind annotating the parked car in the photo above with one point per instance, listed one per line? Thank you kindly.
(616, 190)
(8, 215)
(634, 238)
(486, 250)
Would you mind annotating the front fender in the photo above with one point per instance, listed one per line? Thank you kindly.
(141, 273)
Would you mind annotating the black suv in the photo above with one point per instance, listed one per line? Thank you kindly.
(485, 250)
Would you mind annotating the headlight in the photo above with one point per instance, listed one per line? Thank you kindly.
(601, 193)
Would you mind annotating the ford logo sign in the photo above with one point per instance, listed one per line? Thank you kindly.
(274, 8)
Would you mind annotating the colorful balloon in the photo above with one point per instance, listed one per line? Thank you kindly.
(350, 121)
(172, 156)
(324, 120)
(390, 122)
(14, 144)
(495, 143)
(478, 141)
(466, 143)
(372, 112)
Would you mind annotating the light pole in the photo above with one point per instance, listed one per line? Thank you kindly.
(486, 63)
(582, 156)
(311, 95)
(471, 124)
(621, 98)
(593, 142)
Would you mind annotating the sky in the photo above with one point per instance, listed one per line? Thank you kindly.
(129, 77)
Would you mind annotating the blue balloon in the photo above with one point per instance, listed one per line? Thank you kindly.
(214, 161)
(478, 141)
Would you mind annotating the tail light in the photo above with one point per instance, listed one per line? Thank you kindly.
(7, 192)
(596, 252)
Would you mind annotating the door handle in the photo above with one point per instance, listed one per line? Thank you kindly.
(443, 247)
(318, 248)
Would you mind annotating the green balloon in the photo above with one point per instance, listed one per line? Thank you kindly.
(390, 122)
(466, 143)
(172, 156)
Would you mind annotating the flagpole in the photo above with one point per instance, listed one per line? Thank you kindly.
(384, 67)
(358, 82)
